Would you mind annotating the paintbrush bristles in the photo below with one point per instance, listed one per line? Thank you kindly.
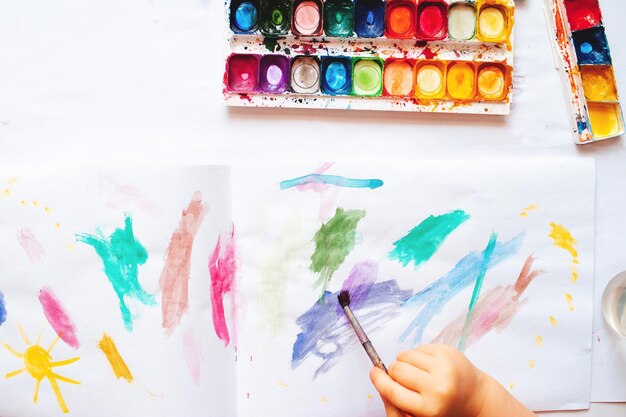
(344, 298)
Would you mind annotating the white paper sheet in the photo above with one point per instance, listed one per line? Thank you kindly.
(189, 372)
(543, 355)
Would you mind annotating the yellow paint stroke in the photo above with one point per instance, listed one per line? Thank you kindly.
(570, 301)
(564, 240)
(531, 364)
(539, 340)
(553, 321)
(6, 193)
(69, 246)
(324, 399)
(370, 396)
(120, 369)
(38, 363)
(35, 203)
(48, 210)
(11, 181)
(23, 203)
(57, 226)
(511, 386)
(532, 207)
(283, 384)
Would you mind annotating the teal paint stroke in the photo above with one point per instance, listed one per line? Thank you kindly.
(424, 240)
(121, 255)
(333, 180)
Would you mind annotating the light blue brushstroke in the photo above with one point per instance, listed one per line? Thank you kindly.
(447, 287)
(331, 179)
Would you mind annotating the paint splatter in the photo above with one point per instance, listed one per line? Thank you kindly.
(193, 356)
(325, 332)
(527, 210)
(121, 255)
(3, 309)
(495, 309)
(564, 240)
(6, 193)
(333, 242)
(424, 240)
(38, 363)
(570, 301)
(331, 179)
(174, 280)
(283, 384)
(531, 363)
(469, 318)
(33, 248)
(223, 269)
(58, 317)
(119, 367)
(553, 321)
(435, 296)
(539, 340)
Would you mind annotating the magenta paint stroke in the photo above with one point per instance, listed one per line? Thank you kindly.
(193, 356)
(123, 196)
(494, 310)
(325, 332)
(174, 280)
(58, 317)
(223, 270)
(33, 247)
(327, 193)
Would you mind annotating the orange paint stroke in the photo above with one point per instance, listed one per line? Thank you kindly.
(120, 369)
(563, 239)
(174, 281)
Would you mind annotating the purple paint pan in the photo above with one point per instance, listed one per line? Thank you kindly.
(274, 74)
(243, 73)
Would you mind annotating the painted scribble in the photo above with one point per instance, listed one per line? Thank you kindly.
(424, 240)
(334, 240)
(439, 293)
(332, 179)
(223, 270)
(563, 239)
(174, 281)
(3, 309)
(119, 367)
(193, 356)
(31, 246)
(121, 255)
(58, 317)
(494, 310)
(123, 196)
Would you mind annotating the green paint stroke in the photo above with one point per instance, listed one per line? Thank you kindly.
(333, 242)
(121, 255)
(424, 240)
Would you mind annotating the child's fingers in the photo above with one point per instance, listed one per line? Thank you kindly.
(399, 396)
(416, 358)
(409, 376)
(393, 411)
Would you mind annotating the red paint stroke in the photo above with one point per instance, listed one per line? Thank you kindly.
(174, 281)
(58, 318)
(223, 269)
(328, 193)
(30, 244)
(193, 356)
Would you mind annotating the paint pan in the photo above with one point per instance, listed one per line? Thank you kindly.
(307, 17)
(606, 119)
(592, 47)
(398, 77)
(244, 16)
(369, 18)
(401, 19)
(583, 14)
(339, 18)
(462, 21)
(461, 80)
(243, 73)
(367, 77)
(492, 82)
(336, 76)
(275, 17)
(430, 79)
(305, 75)
(495, 20)
(274, 74)
(432, 20)
(598, 82)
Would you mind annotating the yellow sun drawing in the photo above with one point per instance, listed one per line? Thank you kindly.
(38, 363)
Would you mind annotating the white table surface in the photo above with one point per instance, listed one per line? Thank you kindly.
(128, 81)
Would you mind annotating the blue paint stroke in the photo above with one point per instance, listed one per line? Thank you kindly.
(439, 293)
(326, 332)
(331, 179)
(3, 309)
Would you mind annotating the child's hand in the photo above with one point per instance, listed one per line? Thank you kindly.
(437, 380)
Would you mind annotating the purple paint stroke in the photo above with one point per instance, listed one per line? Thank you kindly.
(495, 309)
(359, 283)
(439, 293)
(30, 244)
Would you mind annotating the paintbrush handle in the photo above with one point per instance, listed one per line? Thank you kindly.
(371, 352)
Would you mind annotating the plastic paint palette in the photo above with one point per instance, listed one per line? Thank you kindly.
(584, 59)
(406, 55)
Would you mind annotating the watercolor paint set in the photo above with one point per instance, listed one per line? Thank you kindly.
(406, 55)
(583, 56)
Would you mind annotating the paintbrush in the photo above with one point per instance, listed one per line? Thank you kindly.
(344, 301)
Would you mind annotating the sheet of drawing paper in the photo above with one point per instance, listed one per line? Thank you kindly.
(111, 265)
(493, 257)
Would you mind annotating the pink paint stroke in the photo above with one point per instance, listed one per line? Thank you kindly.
(223, 269)
(495, 309)
(193, 356)
(58, 317)
(328, 193)
(121, 196)
(30, 244)
(174, 281)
